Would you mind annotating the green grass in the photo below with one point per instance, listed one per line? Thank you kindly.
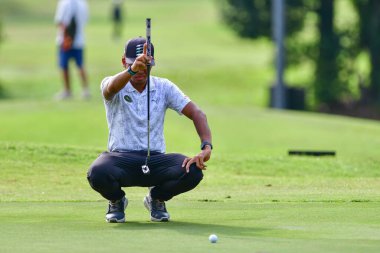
(235, 70)
(254, 196)
(252, 227)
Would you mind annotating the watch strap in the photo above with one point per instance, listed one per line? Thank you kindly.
(131, 72)
(204, 143)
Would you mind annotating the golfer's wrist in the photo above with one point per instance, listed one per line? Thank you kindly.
(206, 144)
(207, 148)
(131, 71)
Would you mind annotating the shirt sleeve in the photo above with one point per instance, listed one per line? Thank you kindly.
(62, 14)
(176, 99)
(103, 85)
(86, 12)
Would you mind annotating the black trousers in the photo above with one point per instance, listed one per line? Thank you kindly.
(113, 170)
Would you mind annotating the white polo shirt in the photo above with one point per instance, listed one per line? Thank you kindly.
(66, 9)
(127, 114)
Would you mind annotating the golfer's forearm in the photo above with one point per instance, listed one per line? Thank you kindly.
(116, 83)
(201, 125)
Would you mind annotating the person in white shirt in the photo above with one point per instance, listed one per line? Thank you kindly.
(71, 17)
(125, 100)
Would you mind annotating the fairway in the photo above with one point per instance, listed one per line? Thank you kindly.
(254, 196)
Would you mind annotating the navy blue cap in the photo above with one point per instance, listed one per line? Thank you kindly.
(134, 47)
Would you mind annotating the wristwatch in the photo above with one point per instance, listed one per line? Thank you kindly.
(131, 72)
(205, 143)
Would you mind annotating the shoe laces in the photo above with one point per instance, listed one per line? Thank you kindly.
(159, 205)
(115, 206)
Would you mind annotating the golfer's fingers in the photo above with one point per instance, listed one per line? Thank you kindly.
(143, 59)
(199, 162)
(185, 161)
(204, 167)
(189, 162)
(140, 60)
(145, 48)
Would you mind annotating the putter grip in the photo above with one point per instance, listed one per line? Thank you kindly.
(148, 43)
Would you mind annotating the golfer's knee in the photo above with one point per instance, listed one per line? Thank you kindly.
(97, 177)
(195, 174)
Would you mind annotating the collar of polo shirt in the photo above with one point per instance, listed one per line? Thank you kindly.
(130, 87)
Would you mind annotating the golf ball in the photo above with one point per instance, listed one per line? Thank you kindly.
(213, 238)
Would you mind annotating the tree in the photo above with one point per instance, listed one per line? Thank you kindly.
(369, 39)
(327, 85)
(251, 18)
(2, 92)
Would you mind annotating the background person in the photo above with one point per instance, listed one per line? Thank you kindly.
(117, 18)
(125, 96)
(71, 17)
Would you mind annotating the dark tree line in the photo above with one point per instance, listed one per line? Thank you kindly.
(333, 51)
(1, 38)
(369, 39)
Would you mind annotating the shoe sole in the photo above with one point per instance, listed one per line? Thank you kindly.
(146, 204)
(114, 220)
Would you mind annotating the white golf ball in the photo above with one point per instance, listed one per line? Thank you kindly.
(213, 238)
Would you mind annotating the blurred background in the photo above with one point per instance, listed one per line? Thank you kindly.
(224, 48)
(193, 48)
(220, 48)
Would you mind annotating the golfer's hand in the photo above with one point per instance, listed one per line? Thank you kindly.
(199, 160)
(141, 61)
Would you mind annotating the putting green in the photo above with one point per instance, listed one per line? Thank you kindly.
(240, 226)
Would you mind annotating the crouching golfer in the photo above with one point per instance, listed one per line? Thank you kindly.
(125, 100)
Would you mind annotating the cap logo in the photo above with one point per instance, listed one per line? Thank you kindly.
(139, 49)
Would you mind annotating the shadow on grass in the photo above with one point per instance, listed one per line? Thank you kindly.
(191, 228)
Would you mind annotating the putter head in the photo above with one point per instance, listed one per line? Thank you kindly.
(145, 169)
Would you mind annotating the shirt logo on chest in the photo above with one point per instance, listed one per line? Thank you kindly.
(128, 99)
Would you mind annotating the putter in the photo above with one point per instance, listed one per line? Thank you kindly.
(145, 167)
